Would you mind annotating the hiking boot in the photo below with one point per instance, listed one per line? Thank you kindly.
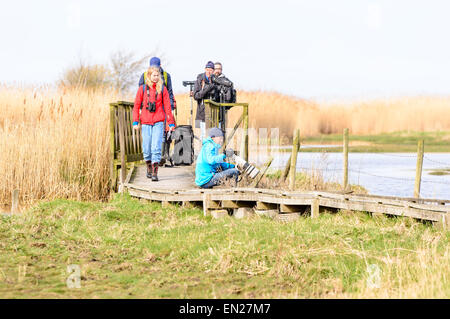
(149, 169)
(155, 172)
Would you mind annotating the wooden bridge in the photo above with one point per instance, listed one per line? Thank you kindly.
(176, 185)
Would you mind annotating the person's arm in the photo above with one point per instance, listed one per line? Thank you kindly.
(211, 157)
(199, 92)
(137, 106)
(197, 88)
(167, 109)
(169, 89)
(226, 165)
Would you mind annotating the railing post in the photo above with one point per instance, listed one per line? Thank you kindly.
(345, 152)
(245, 114)
(420, 148)
(123, 164)
(112, 118)
(293, 169)
(286, 168)
(15, 201)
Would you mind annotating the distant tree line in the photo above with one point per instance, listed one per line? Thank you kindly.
(121, 73)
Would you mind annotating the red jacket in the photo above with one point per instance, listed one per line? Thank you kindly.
(160, 114)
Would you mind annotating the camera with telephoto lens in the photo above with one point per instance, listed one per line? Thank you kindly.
(242, 165)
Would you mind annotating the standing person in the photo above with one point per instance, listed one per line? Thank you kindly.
(225, 92)
(210, 169)
(167, 80)
(203, 90)
(154, 115)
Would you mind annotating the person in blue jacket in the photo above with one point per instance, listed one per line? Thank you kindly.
(211, 169)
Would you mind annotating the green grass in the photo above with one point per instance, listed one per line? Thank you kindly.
(402, 141)
(130, 249)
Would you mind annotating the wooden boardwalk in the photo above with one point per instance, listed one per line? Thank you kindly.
(176, 185)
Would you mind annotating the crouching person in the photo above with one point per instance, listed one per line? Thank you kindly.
(156, 111)
(211, 169)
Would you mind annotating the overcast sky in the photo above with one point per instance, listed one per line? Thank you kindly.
(320, 49)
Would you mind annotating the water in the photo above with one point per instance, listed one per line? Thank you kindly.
(380, 173)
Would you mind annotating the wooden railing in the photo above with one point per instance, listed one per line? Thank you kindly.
(212, 112)
(123, 137)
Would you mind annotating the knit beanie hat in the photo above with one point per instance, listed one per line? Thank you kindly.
(214, 132)
(210, 65)
(155, 62)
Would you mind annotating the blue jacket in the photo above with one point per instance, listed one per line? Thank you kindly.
(208, 161)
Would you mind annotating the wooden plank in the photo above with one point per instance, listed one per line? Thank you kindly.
(418, 169)
(315, 208)
(262, 173)
(265, 206)
(245, 131)
(127, 180)
(286, 168)
(294, 154)
(133, 134)
(444, 223)
(381, 208)
(206, 201)
(230, 136)
(122, 144)
(215, 204)
(387, 201)
(345, 153)
(135, 157)
(291, 208)
(236, 204)
(116, 130)
(128, 132)
(112, 168)
(418, 200)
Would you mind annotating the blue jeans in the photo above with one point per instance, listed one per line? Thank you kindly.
(152, 137)
(218, 177)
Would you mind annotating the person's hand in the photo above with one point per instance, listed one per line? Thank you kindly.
(136, 125)
(229, 152)
(208, 87)
(191, 93)
(171, 127)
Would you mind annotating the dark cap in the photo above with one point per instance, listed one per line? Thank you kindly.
(210, 65)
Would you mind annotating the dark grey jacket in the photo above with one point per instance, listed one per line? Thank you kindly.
(203, 90)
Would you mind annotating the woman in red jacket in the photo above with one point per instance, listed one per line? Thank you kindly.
(155, 112)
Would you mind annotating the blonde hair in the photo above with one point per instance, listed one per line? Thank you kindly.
(149, 81)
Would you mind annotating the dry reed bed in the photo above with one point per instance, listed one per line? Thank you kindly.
(55, 143)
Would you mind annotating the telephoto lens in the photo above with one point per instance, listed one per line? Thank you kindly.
(245, 167)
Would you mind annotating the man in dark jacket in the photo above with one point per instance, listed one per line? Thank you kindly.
(165, 76)
(224, 93)
(203, 90)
